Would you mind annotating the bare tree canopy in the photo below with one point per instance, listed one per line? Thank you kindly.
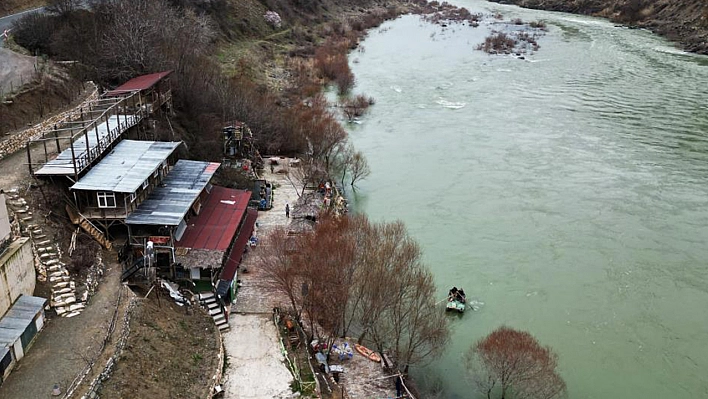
(512, 364)
(352, 275)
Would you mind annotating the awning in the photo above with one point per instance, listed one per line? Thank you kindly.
(236, 253)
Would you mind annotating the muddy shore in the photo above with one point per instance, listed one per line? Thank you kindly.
(682, 21)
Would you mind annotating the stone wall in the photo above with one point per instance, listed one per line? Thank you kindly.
(17, 275)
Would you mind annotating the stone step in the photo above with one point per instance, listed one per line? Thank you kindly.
(45, 242)
(224, 327)
(76, 306)
(218, 319)
(62, 291)
(37, 231)
(40, 236)
(51, 262)
(27, 219)
(205, 295)
(215, 311)
(60, 310)
(60, 285)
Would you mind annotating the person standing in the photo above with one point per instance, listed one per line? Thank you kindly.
(287, 210)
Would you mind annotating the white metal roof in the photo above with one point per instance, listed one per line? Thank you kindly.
(126, 168)
(169, 203)
(20, 315)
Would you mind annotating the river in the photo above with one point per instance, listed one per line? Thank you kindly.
(567, 192)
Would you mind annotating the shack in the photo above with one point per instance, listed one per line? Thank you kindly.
(209, 242)
(18, 329)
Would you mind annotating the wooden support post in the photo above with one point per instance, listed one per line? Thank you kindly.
(108, 128)
(98, 138)
(73, 161)
(86, 137)
(44, 143)
(29, 159)
(56, 138)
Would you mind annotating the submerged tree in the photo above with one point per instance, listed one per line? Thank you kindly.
(512, 364)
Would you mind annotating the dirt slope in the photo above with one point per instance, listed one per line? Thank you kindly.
(682, 21)
(169, 354)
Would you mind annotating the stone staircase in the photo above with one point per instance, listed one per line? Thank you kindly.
(209, 302)
(48, 262)
(88, 227)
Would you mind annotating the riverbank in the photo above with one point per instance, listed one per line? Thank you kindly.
(682, 21)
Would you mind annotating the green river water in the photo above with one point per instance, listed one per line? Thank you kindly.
(567, 192)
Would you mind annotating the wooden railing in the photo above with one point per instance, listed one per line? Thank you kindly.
(128, 111)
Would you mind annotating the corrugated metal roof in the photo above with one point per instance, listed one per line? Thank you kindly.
(16, 320)
(229, 270)
(139, 83)
(216, 225)
(170, 202)
(126, 168)
(62, 165)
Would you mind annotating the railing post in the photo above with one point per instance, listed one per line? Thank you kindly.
(44, 142)
(73, 161)
(29, 158)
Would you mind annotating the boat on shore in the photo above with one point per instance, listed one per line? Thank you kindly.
(456, 300)
(367, 353)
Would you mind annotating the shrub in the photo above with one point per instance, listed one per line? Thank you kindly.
(498, 42)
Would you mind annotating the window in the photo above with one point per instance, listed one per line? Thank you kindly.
(132, 197)
(106, 199)
(157, 171)
(145, 183)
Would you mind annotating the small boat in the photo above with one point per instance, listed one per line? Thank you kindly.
(367, 353)
(456, 300)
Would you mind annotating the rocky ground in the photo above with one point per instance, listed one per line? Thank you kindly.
(15, 70)
(682, 21)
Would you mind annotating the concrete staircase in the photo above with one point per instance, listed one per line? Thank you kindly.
(209, 302)
(48, 262)
(88, 227)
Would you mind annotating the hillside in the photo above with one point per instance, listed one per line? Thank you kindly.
(682, 21)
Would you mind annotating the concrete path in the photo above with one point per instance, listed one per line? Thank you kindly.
(256, 369)
(256, 366)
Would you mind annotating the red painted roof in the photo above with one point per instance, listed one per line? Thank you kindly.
(217, 223)
(137, 84)
(229, 270)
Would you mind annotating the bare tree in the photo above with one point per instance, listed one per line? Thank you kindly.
(62, 7)
(510, 363)
(359, 168)
(146, 36)
(403, 318)
(351, 274)
(307, 174)
(280, 272)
